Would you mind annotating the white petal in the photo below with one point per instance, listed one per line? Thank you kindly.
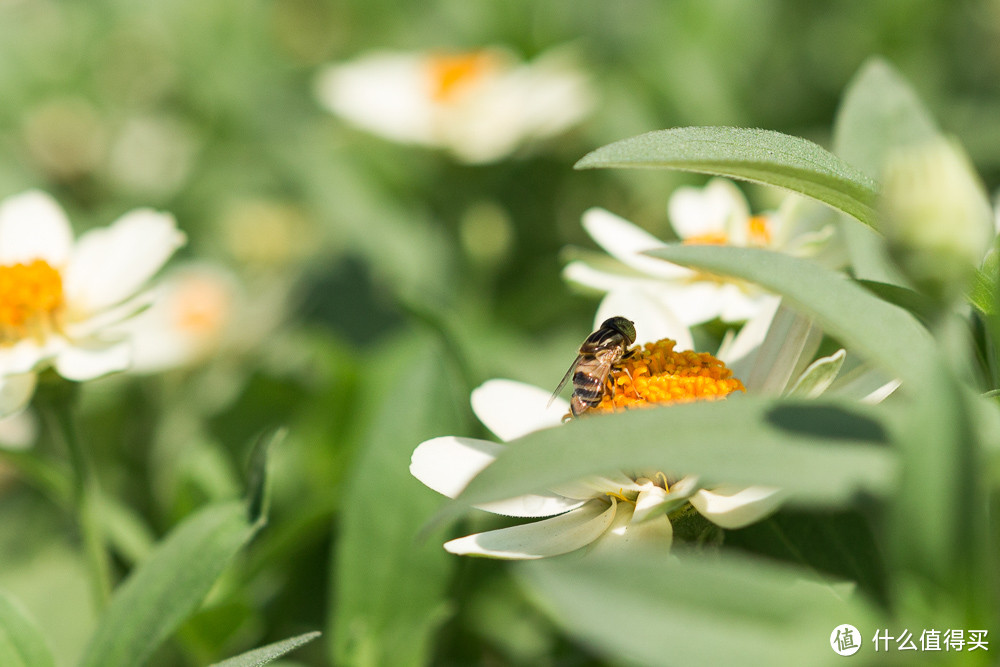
(731, 507)
(718, 208)
(694, 302)
(19, 430)
(27, 355)
(16, 392)
(650, 499)
(653, 320)
(113, 263)
(627, 532)
(34, 226)
(447, 464)
(548, 537)
(625, 241)
(584, 274)
(511, 409)
(740, 353)
(81, 362)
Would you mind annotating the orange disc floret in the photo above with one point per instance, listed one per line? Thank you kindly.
(449, 73)
(655, 374)
(29, 293)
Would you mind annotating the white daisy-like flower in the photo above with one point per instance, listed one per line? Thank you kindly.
(479, 105)
(612, 511)
(716, 214)
(192, 311)
(58, 297)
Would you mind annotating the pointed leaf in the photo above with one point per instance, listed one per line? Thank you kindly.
(265, 654)
(21, 642)
(727, 610)
(885, 334)
(823, 453)
(759, 156)
(390, 579)
(169, 586)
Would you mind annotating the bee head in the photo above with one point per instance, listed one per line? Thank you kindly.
(623, 326)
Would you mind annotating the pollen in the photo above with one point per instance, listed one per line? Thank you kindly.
(656, 374)
(450, 73)
(30, 296)
(759, 230)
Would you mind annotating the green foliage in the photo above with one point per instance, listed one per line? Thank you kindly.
(269, 653)
(22, 644)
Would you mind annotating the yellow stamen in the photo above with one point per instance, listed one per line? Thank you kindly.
(759, 230)
(620, 496)
(657, 375)
(30, 295)
(449, 73)
(711, 238)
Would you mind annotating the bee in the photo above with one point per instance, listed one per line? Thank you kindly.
(602, 350)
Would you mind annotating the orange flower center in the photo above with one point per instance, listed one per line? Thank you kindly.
(759, 230)
(30, 296)
(450, 73)
(712, 238)
(200, 306)
(657, 375)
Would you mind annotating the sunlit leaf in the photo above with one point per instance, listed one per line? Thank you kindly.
(265, 654)
(823, 453)
(653, 610)
(883, 333)
(169, 586)
(759, 156)
(388, 590)
(21, 642)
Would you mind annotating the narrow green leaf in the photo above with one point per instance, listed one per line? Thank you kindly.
(823, 453)
(759, 156)
(21, 642)
(883, 333)
(818, 376)
(265, 654)
(169, 586)
(258, 498)
(653, 610)
(389, 587)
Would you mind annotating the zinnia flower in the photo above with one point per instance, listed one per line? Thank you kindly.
(58, 297)
(479, 105)
(716, 214)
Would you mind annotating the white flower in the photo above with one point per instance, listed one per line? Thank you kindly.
(715, 214)
(481, 105)
(611, 511)
(59, 297)
(192, 310)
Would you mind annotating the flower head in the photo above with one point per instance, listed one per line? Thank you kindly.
(479, 105)
(58, 297)
(717, 214)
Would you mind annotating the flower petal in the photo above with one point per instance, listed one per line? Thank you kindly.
(627, 532)
(652, 318)
(34, 226)
(650, 499)
(113, 263)
(81, 362)
(718, 208)
(448, 463)
(548, 537)
(818, 376)
(511, 409)
(15, 392)
(732, 507)
(18, 431)
(625, 242)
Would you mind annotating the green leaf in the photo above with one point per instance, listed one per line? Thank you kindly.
(169, 586)
(389, 587)
(258, 497)
(21, 642)
(759, 156)
(265, 654)
(818, 376)
(652, 609)
(883, 333)
(822, 452)
(880, 112)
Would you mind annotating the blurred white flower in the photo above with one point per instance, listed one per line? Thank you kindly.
(192, 310)
(58, 297)
(479, 105)
(716, 214)
(612, 511)
(19, 430)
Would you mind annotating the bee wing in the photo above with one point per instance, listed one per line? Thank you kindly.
(565, 379)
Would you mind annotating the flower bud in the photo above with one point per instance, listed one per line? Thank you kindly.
(935, 217)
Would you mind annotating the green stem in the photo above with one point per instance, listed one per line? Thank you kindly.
(86, 496)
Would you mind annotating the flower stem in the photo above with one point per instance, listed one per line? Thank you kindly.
(86, 499)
